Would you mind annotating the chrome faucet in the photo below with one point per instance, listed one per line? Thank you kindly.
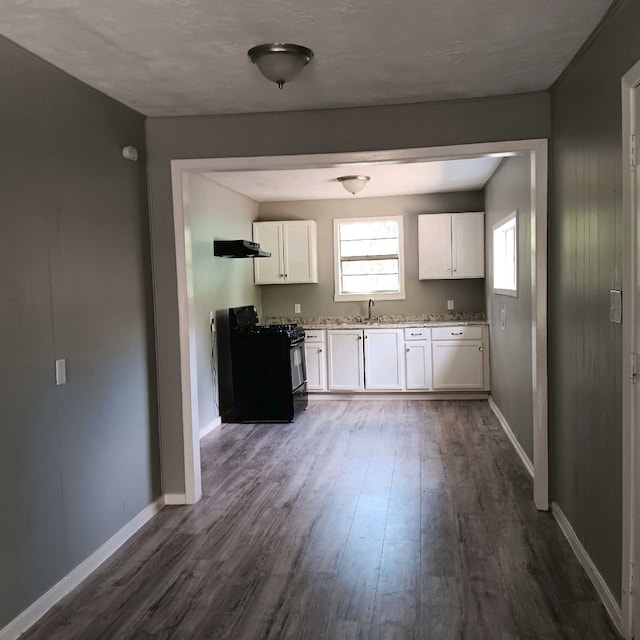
(371, 304)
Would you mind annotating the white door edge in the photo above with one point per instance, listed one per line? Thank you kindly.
(630, 213)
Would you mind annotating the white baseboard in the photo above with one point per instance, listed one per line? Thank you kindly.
(514, 441)
(59, 590)
(171, 499)
(215, 423)
(404, 395)
(609, 601)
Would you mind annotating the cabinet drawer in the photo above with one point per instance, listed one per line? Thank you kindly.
(457, 333)
(417, 333)
(313, 335)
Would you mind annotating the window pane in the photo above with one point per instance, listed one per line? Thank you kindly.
(350, 248)
(370, 283)
(369, 230)
(372, 267)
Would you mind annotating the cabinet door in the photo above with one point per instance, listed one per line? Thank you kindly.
(434, 246)
(316, 366)
(417, 359)
(300, 258)
(382, 359)
(268, 270)
(346, 362)
(457, 364)
(467, 235)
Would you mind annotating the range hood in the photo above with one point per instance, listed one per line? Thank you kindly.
(238, 249)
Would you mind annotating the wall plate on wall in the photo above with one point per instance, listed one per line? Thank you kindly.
(615, 306)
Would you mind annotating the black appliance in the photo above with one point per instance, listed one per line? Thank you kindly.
(238, 249)
(268, 368)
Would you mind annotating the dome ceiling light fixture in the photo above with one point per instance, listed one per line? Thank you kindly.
(354, 184)
(280, 62)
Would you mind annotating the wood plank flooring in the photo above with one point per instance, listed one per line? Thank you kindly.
(363, 520)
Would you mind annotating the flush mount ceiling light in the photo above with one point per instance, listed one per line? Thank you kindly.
(280, 62)
(354, 184)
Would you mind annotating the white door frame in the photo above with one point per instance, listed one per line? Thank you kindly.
(630, 283)
(538, 151)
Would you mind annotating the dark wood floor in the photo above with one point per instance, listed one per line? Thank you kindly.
(362, 520)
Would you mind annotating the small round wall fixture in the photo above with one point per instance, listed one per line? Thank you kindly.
(354, 184)
(280, 62)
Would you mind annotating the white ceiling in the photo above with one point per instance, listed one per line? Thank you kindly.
(183, 57)
(386, 180)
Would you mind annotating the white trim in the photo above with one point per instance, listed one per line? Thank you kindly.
(538, 150)
(175, 498)
(630, 214)
(187, 337)
(214, 424)
(512, 437)
(539, 215)
(59, 590)
(608, 599)
(399, 395)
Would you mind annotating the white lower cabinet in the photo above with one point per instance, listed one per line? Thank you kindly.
(417, 362)
(453, 358)
(316, 360)
(345, 360)
(457, 364)
(382, 359)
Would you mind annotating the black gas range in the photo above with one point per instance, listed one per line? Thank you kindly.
(268, 368)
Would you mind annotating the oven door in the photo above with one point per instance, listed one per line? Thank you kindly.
(298, 365)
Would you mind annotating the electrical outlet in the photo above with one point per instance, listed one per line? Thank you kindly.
(296, 308)
(450, 305)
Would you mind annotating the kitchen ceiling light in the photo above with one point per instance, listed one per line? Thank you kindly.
(280, 62)
(354, 184)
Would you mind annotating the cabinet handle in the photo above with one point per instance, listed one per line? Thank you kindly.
(407, 349)
(359, 337)
(454, 270)
(415, 334)
(286, 275)
(456, 333)
(479, 348)
(319, 350)
(449, 270)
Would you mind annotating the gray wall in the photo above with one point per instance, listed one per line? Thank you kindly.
(338, 130)
(423, 296)
(510, 189)
(217, 213)
(79, 461)
(585, 261)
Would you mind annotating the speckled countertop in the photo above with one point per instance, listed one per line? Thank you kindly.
(387, 321)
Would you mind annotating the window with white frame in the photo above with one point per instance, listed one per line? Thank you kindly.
(505, 255)
(369, 258)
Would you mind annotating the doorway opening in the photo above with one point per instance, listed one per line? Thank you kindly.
(538, 154)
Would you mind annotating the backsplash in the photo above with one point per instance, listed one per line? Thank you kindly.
(471, 316)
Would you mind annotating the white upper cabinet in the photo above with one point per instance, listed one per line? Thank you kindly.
(451, 245)
(293, 248)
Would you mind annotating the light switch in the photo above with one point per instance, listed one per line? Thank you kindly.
(615, 306)
(296, 308)
(450, 305)
(61, 371)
